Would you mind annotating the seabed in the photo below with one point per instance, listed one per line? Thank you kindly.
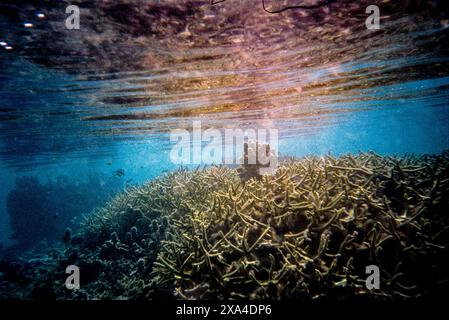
(306, 232)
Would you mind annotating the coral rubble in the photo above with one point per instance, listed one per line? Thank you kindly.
(306, 232)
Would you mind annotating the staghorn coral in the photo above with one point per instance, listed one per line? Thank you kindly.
(310, 230)
(306, 232)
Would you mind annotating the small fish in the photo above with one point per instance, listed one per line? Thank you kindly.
(119, 173)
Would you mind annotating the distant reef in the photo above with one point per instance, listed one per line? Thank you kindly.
(41, 210)
(306, 232)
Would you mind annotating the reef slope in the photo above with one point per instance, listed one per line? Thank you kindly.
(307, 232)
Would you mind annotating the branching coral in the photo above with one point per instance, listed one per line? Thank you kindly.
(308, 231)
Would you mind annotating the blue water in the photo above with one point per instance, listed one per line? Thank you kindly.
(385, 92)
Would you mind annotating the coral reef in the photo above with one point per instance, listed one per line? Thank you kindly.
(306, 232)
(310, 230)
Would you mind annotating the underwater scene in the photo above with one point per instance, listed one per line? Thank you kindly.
(224, 150)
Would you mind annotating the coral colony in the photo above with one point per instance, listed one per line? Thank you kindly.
(306, 231)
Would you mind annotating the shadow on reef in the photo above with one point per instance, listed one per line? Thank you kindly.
(306, 232)
(41, 211)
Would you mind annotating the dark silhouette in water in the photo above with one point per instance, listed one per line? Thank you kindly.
(67, 237)
(41, 211)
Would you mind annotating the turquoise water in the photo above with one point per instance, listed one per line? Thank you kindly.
(105, 97)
